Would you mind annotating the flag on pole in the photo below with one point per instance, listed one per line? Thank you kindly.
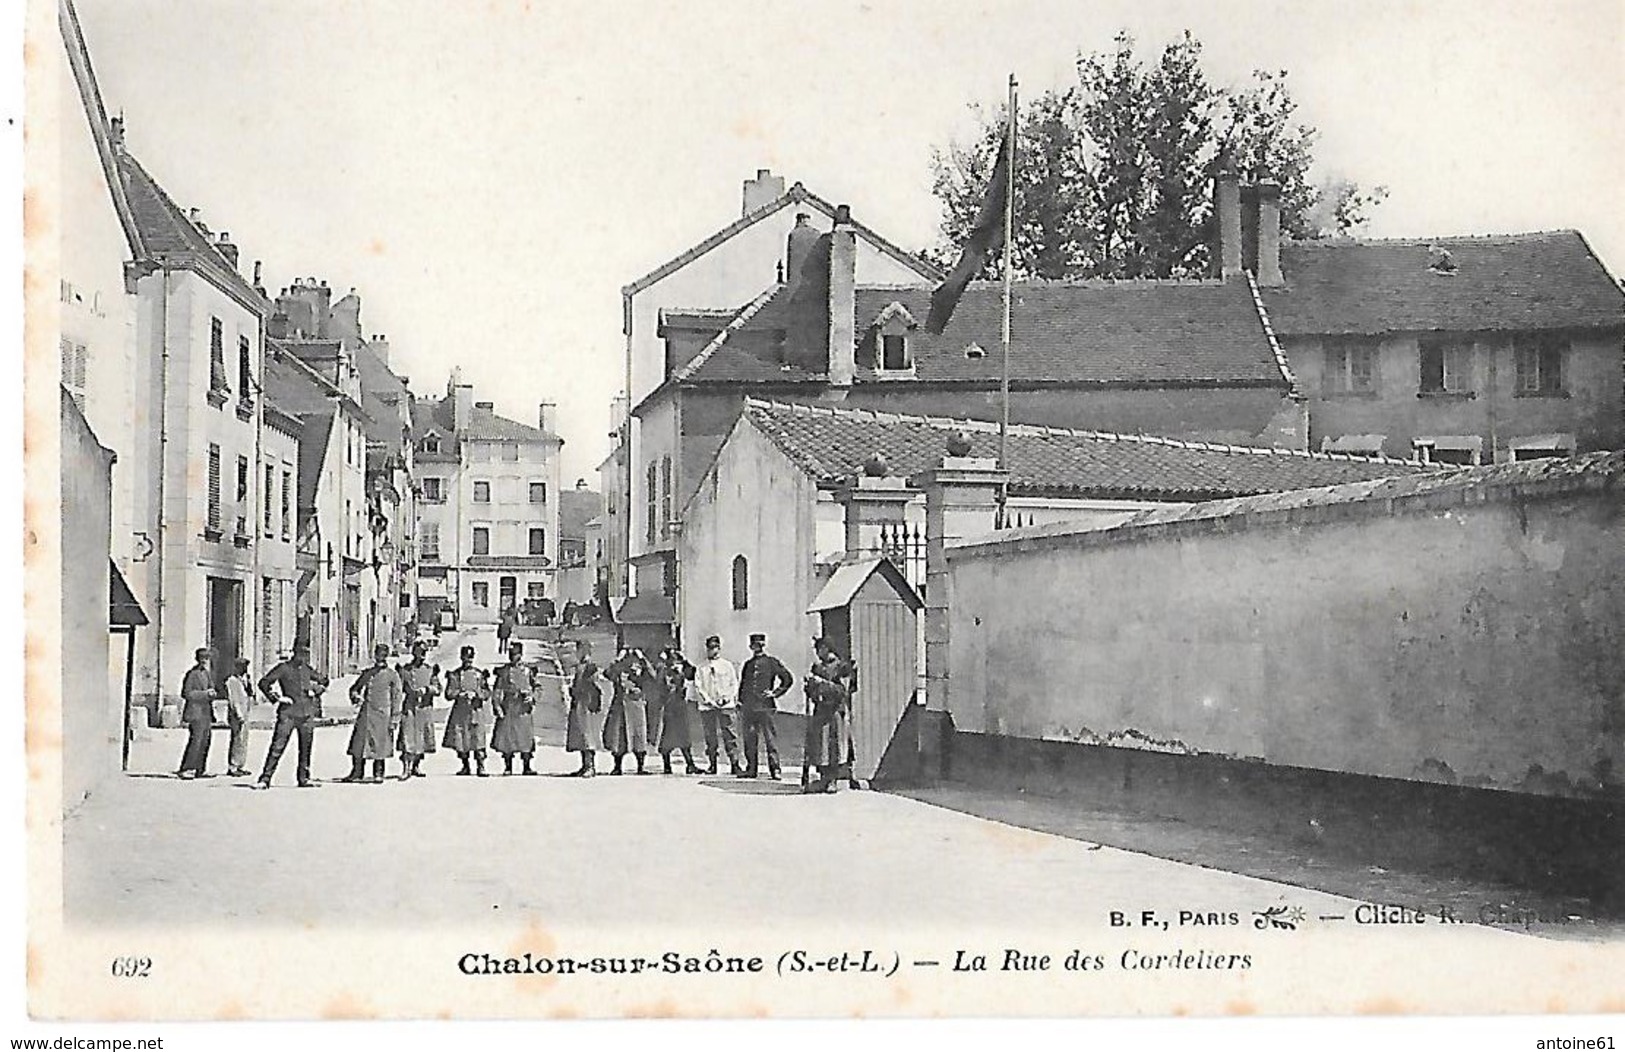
(986, 235)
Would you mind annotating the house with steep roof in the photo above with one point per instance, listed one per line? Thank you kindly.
(716, 275)
(1461, 350)
(488, 507)
(765, 525)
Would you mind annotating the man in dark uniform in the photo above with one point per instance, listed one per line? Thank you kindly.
(829, 686)
(420, 683)
(586, 699)
(295, 689)
(468, 725)
(197, 712)
(761, 682)
(514, 699)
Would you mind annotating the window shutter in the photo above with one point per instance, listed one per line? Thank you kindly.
(214, 487)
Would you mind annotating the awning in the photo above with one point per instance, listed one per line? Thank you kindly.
(647, 610)
(123, 611)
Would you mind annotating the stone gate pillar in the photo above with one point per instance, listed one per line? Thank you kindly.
(961, 497)
(872, 500)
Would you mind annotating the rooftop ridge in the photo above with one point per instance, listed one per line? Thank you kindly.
(1269, 334)
(1422, 242)
(190, 233)
(1046, 431)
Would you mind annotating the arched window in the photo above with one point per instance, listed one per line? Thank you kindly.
(741, 583)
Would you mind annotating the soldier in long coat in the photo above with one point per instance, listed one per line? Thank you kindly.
(829, 687)
(376, 695)
(420, 685)
(678, 712)
(515, 704)
(586, 700)
(468, 726)
(626, 724)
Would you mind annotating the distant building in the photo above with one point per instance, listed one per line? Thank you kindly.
(1460, 350)
(488, 522)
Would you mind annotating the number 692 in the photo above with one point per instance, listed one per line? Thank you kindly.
(132, 967)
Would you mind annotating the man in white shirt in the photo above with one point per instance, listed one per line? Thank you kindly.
(239, 700)
(716, 681)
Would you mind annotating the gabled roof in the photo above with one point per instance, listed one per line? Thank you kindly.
(381, 393)
(163, 232)
(848, 578)
(1508, 282)
(90, 96)
(1087, 333)
(831, 445)
(484, 425)
(796, 195)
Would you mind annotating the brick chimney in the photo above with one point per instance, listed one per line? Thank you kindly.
(379, 345)
(1269, 234)
(1227, 224)
(843, 307)
(762, 190)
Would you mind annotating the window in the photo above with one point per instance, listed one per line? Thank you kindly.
(482, 493)
(349, 525)
(665, 497)
(481, 592)
(242, 479)
(538, 541)
(1538, 447)
(536, 590)
(217, 355)
(741, 583)
(649, 501)
(538, 493)
(894, 351)
(510, 451)
(287, 504)
(430, 443)
(1351, 367)
(245, 370)
(269, 497)
(1449, 449)
(434, 490)
(1446, 367)
(1540, 366)
(75, 363)
(429, 540)
(212, 524)
(482, 540)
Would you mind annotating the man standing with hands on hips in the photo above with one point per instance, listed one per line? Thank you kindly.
(761, 682)
(295, 689)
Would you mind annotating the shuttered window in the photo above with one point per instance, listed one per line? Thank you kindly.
(213, 521)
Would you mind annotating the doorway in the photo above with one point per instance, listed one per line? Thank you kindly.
(507, 594)
(225, 625)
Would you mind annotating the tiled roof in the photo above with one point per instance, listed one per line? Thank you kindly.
(832, 445)
(1432, 491)
(1128, 333)
(164, 230)
(1496, 283)
(796, 195)
(294, 387)
(484, 425)
(381, 392)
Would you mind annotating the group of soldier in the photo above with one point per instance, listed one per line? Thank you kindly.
(656, 701)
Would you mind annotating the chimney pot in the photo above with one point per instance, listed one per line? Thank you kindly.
(843, 215)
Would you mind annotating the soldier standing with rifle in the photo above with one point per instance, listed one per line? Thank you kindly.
(515, 703)
(468, 727)
(829, 687)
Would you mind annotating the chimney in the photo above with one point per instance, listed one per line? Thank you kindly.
(843, 307)
(489, 407)
(544, 417)
(1269, 234)
(798, 247)
(462, 405)
(762, 190)
(225, 247)
(379, 345)
(345, 317)
(1227, 223)
(115, 131)
(259, 287)
(1249, 228)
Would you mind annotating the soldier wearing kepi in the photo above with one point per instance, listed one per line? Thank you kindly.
(420, 685)
(376, 695)
(829, 687)
(761, 682)
(468, 727)
(515, 703)
(295, 689)
(586, 700)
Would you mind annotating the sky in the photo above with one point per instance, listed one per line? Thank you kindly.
(488, 175)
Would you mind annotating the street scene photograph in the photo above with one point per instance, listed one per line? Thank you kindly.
(845, 510)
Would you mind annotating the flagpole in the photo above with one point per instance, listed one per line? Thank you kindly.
(1009, 224)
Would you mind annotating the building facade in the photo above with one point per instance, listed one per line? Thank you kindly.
(488, 523)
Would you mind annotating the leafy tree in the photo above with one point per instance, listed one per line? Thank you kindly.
(1114, 174)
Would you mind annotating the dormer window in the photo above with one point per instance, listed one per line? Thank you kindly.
(431, 444)
(893, 329)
